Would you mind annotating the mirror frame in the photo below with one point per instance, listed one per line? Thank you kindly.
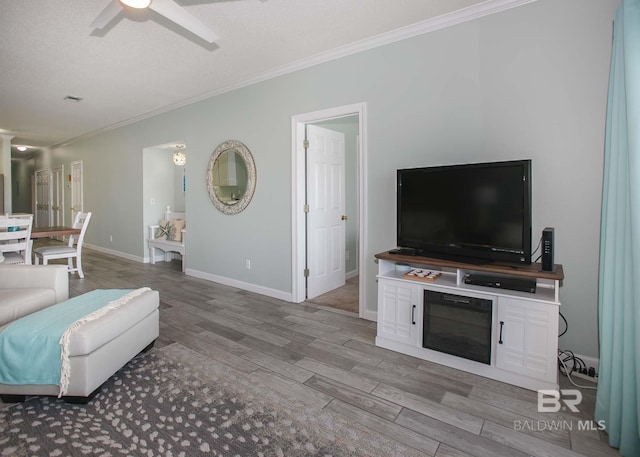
(245, 154)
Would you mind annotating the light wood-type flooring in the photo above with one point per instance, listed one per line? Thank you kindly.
(328, 358)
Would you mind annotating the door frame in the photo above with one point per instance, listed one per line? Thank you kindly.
(298, 228)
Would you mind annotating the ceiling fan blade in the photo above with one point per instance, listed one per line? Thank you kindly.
(107, 15)
(175, 13)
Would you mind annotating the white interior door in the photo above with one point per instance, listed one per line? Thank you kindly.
(57, 196)
(326, 210)
(77, 203)
(43, 198)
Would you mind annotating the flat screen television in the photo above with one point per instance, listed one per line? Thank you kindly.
(477, 213)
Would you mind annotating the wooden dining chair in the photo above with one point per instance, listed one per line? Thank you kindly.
(15, 240)
(72, 250)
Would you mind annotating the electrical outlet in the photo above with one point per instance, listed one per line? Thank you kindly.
(110, 238)
(247, 264)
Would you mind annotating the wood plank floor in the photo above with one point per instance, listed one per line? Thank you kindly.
(328, 359)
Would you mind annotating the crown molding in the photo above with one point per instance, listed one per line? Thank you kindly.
(419, 28)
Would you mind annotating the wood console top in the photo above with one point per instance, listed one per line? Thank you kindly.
(533, 270)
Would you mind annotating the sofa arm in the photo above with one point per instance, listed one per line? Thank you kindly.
(55, 277)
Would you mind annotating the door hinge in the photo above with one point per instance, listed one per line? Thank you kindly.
(306, 144)
(306, 272)
(306, 208)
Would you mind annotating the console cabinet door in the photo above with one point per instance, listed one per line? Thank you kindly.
(399, 311)
(527, 338)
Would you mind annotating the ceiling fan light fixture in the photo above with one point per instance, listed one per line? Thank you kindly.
(140, 4)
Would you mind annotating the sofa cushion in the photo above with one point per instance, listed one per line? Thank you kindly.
(15, 303)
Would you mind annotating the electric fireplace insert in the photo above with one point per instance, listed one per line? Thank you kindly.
(458, 325)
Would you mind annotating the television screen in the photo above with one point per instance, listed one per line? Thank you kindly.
(477, 211)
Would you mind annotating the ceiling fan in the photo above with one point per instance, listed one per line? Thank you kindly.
(167, 8)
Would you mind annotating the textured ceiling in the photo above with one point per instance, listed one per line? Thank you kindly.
(142, 64)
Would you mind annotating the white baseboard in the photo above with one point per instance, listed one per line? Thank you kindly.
(351, 274)
(123, 255)
(370, 315)
(273, 293)
(113, 252)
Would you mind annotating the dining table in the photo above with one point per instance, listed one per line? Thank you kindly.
(56, 230)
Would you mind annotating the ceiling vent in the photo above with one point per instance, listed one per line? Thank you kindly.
(73, 98)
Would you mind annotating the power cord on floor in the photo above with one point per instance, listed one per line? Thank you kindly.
(578, 364)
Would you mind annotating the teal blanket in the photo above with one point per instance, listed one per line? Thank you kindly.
(30, 350)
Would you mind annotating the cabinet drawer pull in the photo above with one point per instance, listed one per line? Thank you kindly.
(413, 315)
(501, 325)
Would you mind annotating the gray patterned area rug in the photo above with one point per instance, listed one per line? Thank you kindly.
(174, 402)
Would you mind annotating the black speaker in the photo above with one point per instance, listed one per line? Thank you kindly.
(547, 249)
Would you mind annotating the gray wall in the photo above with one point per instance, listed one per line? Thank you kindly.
(530, 82)
(21, 173)
(158, 186)
(179, 187)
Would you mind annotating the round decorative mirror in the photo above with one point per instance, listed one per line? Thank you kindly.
(231, 177)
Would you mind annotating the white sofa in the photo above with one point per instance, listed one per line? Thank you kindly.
(25, 289)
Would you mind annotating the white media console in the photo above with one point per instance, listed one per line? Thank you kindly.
(519, 338)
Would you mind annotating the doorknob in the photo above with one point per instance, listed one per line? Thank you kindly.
(344, 218)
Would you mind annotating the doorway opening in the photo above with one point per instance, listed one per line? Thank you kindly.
(329, 207)
(164, 188)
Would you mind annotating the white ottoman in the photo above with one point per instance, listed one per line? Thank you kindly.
(100, 348)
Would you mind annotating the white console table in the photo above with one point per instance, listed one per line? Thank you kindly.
(524, 334)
